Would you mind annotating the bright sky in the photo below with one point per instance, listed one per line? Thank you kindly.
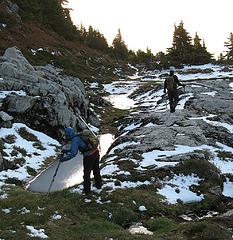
(150, 23)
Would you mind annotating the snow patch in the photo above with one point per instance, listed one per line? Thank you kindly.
(212, 94)
(31, 160)
(40, 233)
(139, 229)
(178, 188)
(123, 145)
(4, 94)
(228, 188)
(6, 210)
(56, 216)
(150, 158)
(142, 209)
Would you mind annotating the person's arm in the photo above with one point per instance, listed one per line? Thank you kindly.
(177, 81)
(73, 151)
(65, 150)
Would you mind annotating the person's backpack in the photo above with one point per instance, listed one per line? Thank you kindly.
(170, 83)
(89, 139)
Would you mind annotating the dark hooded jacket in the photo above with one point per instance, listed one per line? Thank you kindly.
(176, 80)
(76, 144)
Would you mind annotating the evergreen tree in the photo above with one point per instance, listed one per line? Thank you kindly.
(132, 56)
(145, 57)
(181, 51)
(83, 32)
(221, 58)
(197, 42)
(161, 60)
(30, 9)
(58, 17)
(207, 57)
(52, 13)
(200, 55)
(94, 39)
(119, 47)
(229, 45)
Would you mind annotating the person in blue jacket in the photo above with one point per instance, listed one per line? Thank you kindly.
(90, 159)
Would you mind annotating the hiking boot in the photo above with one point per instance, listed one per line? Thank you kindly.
(172, 109)
(98, 186)
(86, 193)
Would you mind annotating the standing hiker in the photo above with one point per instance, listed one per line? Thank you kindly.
(170, 85)
(90, 157)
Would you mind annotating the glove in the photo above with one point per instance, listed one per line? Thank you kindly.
(61, 159)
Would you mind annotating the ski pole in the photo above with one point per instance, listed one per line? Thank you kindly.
(87, 126)
(185, 96)
(50, 186)
(166, 99)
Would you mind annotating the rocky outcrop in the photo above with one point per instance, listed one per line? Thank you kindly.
(5, 117)
(5, 120)
(47, 99)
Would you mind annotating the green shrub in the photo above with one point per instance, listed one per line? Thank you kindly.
(10, 139)
(161, 224)
(201, 167)
(19, 161)
(224, 155)
(20, 150)
(124, 216)
(27, 135)
(94, 226)
(206, 231)
(31, 171)
(39, 146)
(9, 19)
(15, 181)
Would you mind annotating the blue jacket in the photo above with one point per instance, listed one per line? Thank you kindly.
(76, 144)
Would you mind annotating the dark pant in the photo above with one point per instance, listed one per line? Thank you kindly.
(173, 97)
(91, 163)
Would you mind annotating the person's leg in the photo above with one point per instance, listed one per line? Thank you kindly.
(87, 165)
(171, 101)
(176, 98)
(96, 171)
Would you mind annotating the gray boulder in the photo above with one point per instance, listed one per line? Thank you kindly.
(16, 58)
(18, 104)
(50, 99)
(5, 117)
